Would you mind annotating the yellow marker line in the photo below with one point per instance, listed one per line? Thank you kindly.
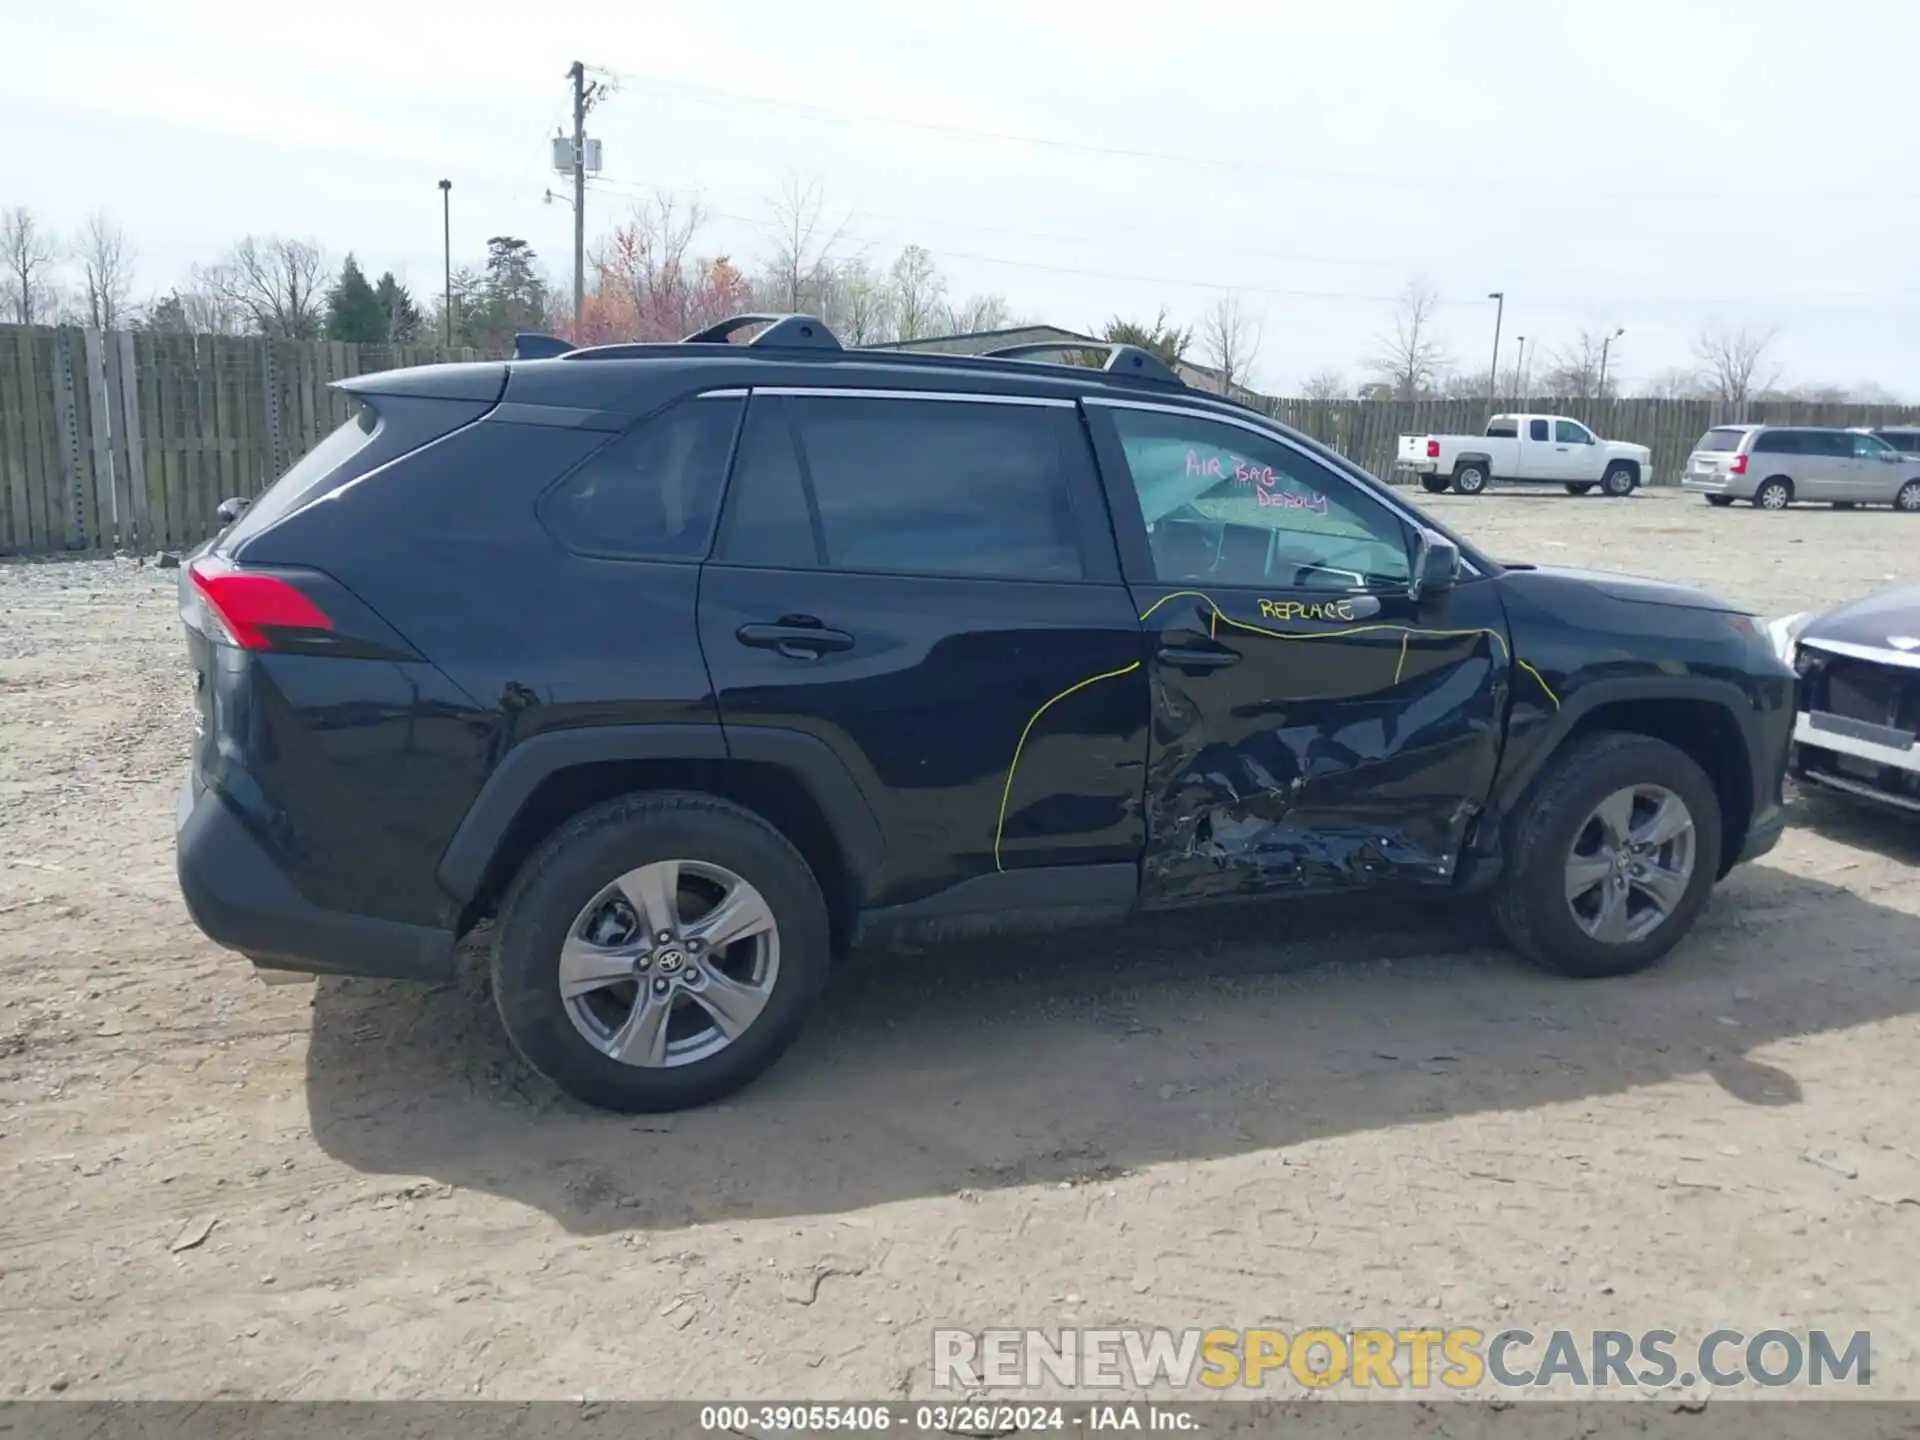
(1006, 791)
(1400, 669)
(1406, 631)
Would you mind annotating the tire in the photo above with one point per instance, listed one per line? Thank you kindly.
(1435, 484)
(1719, 502)
(1908, 500)
(1619, 481)
(1774, 494)
(1471, 478)
(569, 888)
(1560, 824)
(1579, 488)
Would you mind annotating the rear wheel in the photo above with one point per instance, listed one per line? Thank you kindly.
(659, 951)
(1470, 478)
(1719, 502)
(1613, 858)
(1435, 484)
(1774, 494)
(1909, 498)
(1579, 488)
(1619, 481)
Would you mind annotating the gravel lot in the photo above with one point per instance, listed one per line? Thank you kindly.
(1290, 1117)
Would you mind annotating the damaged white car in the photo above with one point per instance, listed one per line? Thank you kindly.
(1858, 730)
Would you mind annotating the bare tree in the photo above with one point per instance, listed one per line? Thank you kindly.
(1574, 370)
(919, 294)
(106, 261)
(1678, 383)
(1734, 359)
(859, 304)
(195, 310)
(1325, 385)
(1230, 339)
(28, 253)
(981, 312)
(279, 283)
(800, 270)
(1412, 359)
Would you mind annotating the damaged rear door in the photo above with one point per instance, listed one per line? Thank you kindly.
(1314, 727)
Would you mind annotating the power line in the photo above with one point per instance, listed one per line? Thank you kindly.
(707, 95)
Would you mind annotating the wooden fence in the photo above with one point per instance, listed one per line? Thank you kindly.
(129, 440)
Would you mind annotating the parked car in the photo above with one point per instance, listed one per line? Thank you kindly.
(1904, 438)
(1535, 449)
(689, 666)
(1858, 726)
(1774, 466)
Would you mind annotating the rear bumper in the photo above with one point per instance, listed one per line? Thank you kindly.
(241, 900)
(1738, 486)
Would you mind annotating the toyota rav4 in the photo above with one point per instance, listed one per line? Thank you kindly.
(690, 665)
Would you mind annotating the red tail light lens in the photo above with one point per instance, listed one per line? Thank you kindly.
(1738, 465)
(250, 607)
(1433, 449)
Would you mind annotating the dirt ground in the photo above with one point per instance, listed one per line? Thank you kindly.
(1282, 1116)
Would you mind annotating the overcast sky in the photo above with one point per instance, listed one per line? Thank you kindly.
(1623, 163)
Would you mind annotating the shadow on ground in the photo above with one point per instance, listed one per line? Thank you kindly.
(1073, 1058)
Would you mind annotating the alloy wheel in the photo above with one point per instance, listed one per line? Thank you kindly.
(670, 964)
(1631, 864)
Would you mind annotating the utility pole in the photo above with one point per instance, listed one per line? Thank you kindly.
(1493, 378)
(446, 251)
(1520, 371)
(1606, 345)
(583, 97)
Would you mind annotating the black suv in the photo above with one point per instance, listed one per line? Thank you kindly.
(689, 665)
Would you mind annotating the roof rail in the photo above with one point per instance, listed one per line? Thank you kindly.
(783, 332)
(529, 345)
(1121, 359)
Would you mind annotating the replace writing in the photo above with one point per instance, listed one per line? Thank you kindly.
(1310, 610)
(1262, 477)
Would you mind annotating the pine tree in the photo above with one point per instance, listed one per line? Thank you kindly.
(400, 315)
(354, 312)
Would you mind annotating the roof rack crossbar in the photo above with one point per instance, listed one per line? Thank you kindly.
(1121, 359)
(530, 345)
(783, 332)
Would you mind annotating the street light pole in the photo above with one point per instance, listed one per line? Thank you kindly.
(446, 254)
(1606, 345)
(1520, 370)
(1493, 377)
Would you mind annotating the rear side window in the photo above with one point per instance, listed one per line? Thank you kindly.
(1720, 441)
(1780, 442)
(1536, 429)
(1834, 444)
(652, 493)
(927, 487)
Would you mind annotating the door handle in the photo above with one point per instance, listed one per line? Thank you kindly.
(796, 642)
(1188, 657)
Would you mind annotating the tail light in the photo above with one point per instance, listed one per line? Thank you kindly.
(1433, 449)
(1737, 466)
(252, 610)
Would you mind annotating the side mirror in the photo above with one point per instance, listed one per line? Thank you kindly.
(1436, 565)
(231, 510)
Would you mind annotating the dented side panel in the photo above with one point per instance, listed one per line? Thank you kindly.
(1334, 750)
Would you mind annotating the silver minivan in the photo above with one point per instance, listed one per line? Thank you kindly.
(1775, 465)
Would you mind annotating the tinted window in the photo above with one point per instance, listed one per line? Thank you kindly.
(904, 486)
(1870, 447)
(1905, 441)
(652, 493)
(1565, 432)
(1716, 441)
(1779, 442)
(1835, 444)
(1536, 429)
(1231, 507)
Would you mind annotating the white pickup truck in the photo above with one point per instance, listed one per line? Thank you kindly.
(1535, 449)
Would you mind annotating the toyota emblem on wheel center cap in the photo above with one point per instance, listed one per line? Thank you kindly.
(669, 961)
